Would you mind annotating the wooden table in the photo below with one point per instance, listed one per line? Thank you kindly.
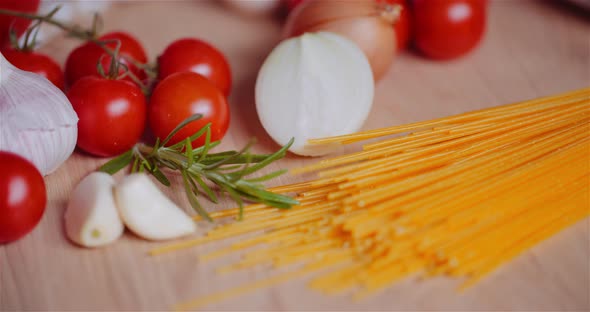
(531, 49)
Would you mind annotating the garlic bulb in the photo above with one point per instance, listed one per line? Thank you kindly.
(36, 119)
(312, 86)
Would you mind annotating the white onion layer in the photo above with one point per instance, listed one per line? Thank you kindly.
(313, 86)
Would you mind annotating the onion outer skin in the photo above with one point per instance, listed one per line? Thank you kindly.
(366, 22)
(312, 86)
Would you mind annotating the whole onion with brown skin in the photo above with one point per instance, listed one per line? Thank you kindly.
(368, 23)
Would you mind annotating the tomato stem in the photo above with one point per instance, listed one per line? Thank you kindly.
(86, 35)
(390, 13)
(74, 31)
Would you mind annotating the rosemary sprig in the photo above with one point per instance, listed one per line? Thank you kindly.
(226, 170)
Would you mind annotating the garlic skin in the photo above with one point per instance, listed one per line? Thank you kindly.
(91, 218)
(313, 86)
(147, 212)
(37, 121)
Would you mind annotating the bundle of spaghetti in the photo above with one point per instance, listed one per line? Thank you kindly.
(456, 196)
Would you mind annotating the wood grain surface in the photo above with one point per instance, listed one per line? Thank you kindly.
(531, 49)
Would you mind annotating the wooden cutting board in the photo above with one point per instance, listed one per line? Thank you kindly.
(531, 49)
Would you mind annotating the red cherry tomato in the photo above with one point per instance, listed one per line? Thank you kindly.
(112, 114)
(292, 4)
(196, 56)
(446, 29)
(22, 197)
(402, 26)
(82, 60)
(18, 24)
(184, 94)
(38, 64)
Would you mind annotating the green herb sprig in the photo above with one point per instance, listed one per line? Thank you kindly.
(226, 170)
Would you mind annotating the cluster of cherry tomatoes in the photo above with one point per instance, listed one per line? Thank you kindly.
(437, 29)
(189, 77)
(193, 77)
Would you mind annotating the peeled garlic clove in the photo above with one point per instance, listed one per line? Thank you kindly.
(91, 217)
(148, 212)
(313, 86)
(36, 119)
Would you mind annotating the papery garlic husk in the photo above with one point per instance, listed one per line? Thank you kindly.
(313, 86)
(36, 119)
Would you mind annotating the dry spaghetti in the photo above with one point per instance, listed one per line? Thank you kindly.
(457, 196)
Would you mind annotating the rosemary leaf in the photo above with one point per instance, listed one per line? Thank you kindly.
(269, 176)
(193, 137)
(207, 144)
(200, 150)
(145, 163)
(242, 172)
(205, 188)
(180, 126)
(157, 173)
(269, 203)
(279, 154)
(192, 198)
(236, 197)
(230, 167)
(114, 165)
(236, 159)
(229, 158)
(189, 152)
(263, 194)
(135, 165)
(220, 154)
(156, 148)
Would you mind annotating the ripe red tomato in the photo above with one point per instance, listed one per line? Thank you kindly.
(38, 64)
(82, 60)
(112, 114)
(184, 94)
(292, 4)
(18, 24)
(446, 29)
(22, 197)
(402, 26)
(196, 56)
